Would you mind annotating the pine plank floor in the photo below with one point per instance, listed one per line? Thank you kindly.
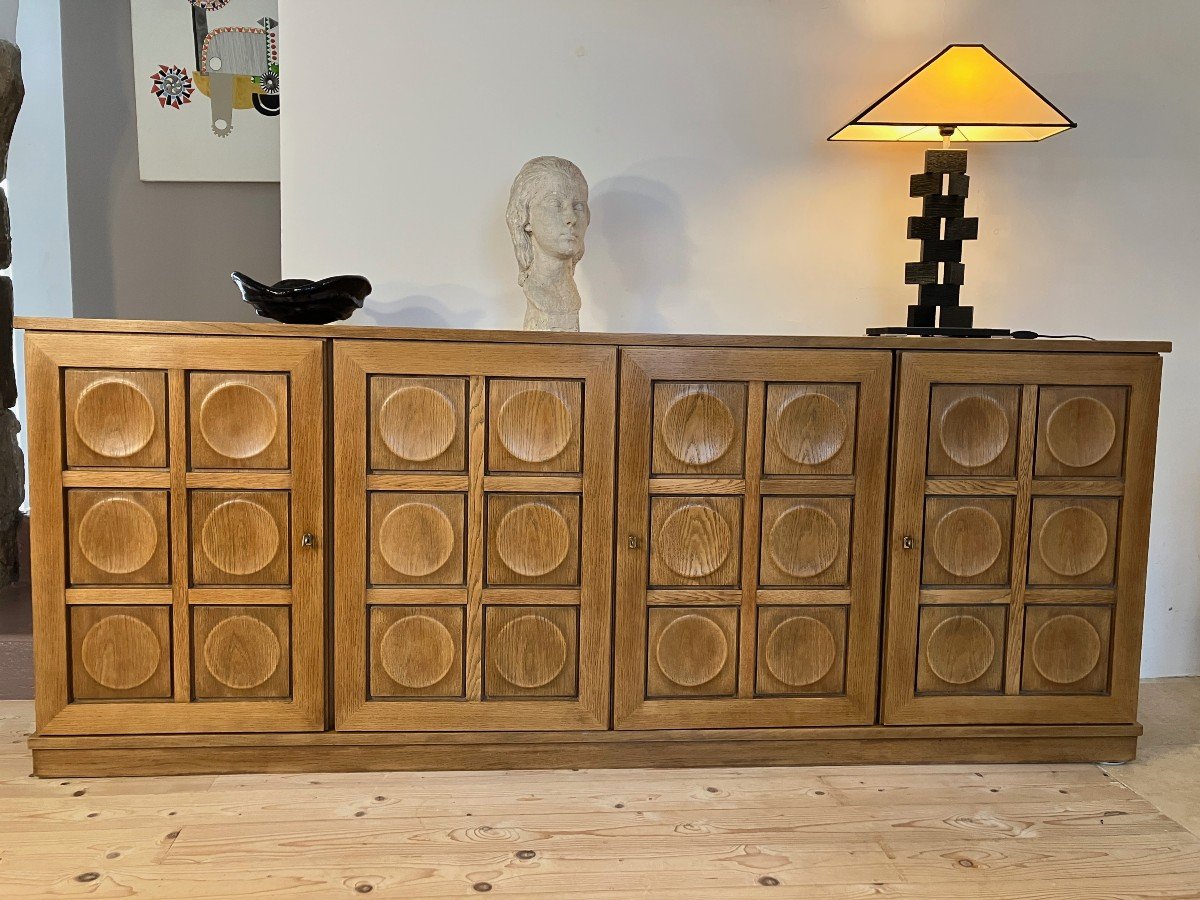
(944, 832)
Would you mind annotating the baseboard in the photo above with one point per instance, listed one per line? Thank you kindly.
(376, 751)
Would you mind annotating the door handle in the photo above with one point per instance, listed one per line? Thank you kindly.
(634, 543)
(907, 542)
(308, 540)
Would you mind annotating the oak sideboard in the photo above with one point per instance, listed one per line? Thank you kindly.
(274, 548)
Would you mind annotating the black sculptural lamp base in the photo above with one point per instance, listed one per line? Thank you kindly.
(941, 228)
(938, 332)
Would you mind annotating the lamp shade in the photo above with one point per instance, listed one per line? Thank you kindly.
(966, 87)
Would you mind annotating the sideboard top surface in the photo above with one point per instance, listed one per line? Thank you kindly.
(379, 332)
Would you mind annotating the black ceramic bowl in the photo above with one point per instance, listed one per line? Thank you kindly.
(298, 301)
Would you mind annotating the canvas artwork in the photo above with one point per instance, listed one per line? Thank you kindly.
(207, 89)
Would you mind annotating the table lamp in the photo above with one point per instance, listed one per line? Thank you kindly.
(965, 93)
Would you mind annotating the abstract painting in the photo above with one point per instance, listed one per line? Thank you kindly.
(206, 89)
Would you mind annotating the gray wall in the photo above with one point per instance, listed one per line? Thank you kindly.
(142, 250)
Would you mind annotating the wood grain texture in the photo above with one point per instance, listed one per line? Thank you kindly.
(536, 636)
(693, 545)
(119, 539)
(542, 338)
(417, 424)
(115, 417)
(472, 489)
(534, 425)
(238, 420)
(120, 652)
(1092, 539)
(1051, 831)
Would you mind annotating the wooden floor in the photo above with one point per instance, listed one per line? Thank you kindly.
(906, 831)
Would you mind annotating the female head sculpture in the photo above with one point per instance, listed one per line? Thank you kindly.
(547, 218)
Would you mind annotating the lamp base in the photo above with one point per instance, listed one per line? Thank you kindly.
(938, 332)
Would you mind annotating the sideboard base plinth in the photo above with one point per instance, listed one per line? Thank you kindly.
(76, 757)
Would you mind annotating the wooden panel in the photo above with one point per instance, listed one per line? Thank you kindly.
(805, 540)
(1066, 649)
(716, 560)
(968, 540)
(418, 424)
(692, 652)
(736, 749)
(115, 417)
(961, 649)
(801, 650)
(482, 335)
(1073, 540)
(534, 425)
(240, 537)
(241, 652)
(810, 429)
(695, 540)
(1071, 551)
(699, 428)
(117, 537)
(973, 430)
(417, 538)
(120, 652)
(191, 387)
(238, 420)
(531, 651)
(1081, 431)
(533, 493)
(416, 651)
(533, 539)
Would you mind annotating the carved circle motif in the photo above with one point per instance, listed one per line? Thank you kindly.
(960, 649)
(1073, 541)
(974, 431)
(1066, 649)
(416, 539)
(800, 651)
(238, 420)
(694, 541)
(811, 429)
(692, 650)
(531, 651)
(533, 539)
(242, 652)
(698, 428)
(240, 537)
(534, 425)
(417, 423)
(114, 418)
(804, 541)
(1080, 432)
(120, 652)
(967, 541)
(417, 651)
(118, 536)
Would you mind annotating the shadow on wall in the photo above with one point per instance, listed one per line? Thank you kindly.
(414, 306)
(638, 249)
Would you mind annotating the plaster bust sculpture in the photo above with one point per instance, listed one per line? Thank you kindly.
(547, 217)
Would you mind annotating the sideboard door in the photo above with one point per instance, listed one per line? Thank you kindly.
(1020, 521)
(750, 519)
(173, 482)
(473, 502)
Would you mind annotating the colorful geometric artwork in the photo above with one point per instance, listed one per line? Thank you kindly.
(211, 110)
(172, 86)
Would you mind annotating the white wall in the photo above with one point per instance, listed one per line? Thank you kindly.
(717, 205)
(37, 181)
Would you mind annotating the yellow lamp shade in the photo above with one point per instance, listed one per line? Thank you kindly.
(966, 88)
